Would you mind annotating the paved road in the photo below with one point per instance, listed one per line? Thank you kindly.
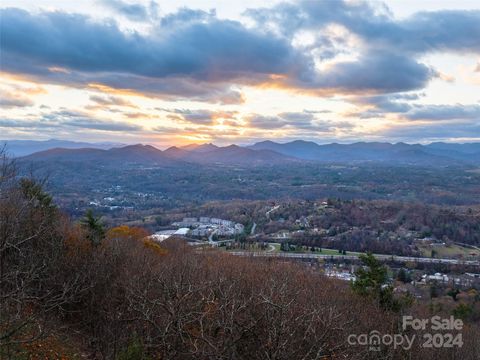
(253, 229)
(354, 257)
(210, 237)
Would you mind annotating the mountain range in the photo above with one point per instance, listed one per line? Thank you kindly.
(265, 152)
(435, 153)
(26, 147)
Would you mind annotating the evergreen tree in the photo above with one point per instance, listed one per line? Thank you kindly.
(372, 281)
(94, 227)
(403, 276)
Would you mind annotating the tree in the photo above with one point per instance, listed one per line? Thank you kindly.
(453, 293)
(125, 232)
(94, 227)
(372, 281)
(463, 311)
(434, 290)
(403, 276)
(32, 244)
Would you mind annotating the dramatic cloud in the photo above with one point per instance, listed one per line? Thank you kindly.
(379, 71)
(195, 46)
(353, 57)
(450, 30)
(214, 50)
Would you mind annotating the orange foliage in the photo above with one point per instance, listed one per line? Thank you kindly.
(75, 241)
(126, 232)
(155, 247)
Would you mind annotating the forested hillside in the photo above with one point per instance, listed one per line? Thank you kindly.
(73, 290)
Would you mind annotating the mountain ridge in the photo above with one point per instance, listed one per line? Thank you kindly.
(271, 152)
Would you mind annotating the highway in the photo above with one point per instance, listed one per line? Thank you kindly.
(355, 257)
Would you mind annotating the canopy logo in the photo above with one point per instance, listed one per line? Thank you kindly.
(374, 340)
(431, 333)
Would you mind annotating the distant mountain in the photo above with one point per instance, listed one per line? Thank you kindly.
(200, 147)
(468, 152)
(176, 152)
(466, 148)
(235, 154)
(140, 154)
(415, 154)
(269, 152)
(146, 154)
(300, 149)
(19, 148)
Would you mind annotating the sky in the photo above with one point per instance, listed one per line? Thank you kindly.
(172, 73)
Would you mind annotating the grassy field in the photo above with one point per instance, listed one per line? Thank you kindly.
(324, 251)
(276, 249)
(452, 251)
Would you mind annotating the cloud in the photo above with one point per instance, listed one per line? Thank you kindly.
(80, 119)
(134, 12)
(25, 123)
(380, 105)
(265, 122)
(432, 132)
(167, 130)
(214, 50)
(446, 30)
(295, 117)
(186, 15)
(171, 89)
(193, 54)
(199, 116)
(445, 112)
(385, 48)
(422, 32)
(204, 117)
(294, 121)
(111, 100)
(9, 100)
(197, 60)
(375, 72)
(103, 125)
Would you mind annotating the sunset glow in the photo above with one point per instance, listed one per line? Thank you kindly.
(174, 73)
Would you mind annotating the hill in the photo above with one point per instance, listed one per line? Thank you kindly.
(20, 148)
(138, 154)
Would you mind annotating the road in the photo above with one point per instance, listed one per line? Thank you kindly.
(355, 257)
(253, 229)
(210, 237)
